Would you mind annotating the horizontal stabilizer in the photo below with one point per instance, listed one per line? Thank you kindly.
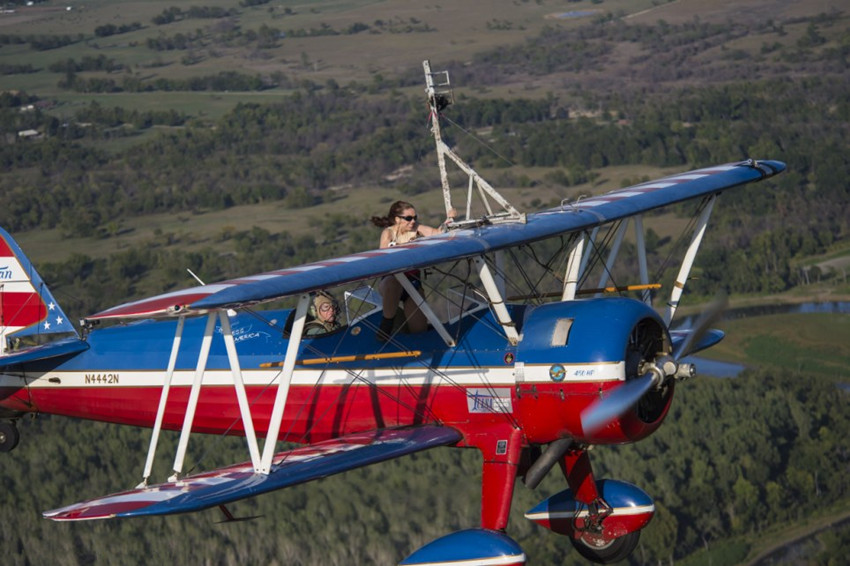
(57, 349)
(232, 483)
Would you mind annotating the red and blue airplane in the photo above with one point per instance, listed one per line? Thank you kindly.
(529, 383)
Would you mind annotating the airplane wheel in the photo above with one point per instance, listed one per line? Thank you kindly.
(606, 551)
(9, 436)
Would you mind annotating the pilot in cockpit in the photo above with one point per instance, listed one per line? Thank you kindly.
(323, 315)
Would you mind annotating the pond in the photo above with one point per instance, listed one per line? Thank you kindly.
(575, 14)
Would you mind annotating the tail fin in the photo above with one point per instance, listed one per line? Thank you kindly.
(27, 308)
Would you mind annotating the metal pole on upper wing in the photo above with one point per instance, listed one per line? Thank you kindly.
(439, 96)
(438, 89)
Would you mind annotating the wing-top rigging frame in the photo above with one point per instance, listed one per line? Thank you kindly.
(439, 92)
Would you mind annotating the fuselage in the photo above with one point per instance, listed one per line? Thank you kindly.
(540, 385)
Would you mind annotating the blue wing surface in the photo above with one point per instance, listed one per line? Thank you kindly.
(454, 245)
(233, 483)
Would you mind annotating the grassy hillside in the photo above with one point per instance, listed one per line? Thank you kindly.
(817, 344)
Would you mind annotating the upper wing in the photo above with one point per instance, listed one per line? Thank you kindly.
(454, 245)
(229, 484)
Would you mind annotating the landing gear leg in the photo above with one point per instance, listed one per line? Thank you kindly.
(501, 451)
(9, 436)
(590, 539)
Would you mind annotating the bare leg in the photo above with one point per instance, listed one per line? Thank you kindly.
(391, 292)
(416, 320)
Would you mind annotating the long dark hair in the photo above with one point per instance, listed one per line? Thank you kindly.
(395, 210)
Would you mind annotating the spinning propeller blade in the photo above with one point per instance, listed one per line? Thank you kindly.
(708, 317)
(605, 410)
(599, 414)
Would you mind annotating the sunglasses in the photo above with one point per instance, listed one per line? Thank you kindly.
(409, 218)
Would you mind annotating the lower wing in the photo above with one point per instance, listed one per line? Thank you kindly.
(240, 481)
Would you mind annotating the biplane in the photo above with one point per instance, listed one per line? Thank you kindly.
(532, 370)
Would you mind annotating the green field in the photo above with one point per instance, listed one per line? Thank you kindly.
(813, 344)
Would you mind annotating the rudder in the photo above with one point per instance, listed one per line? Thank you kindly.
(27, 308)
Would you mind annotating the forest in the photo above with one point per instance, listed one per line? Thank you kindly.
(737, 459)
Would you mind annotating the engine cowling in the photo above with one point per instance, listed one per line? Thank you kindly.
(573, 352)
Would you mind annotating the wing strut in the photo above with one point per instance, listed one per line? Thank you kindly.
(426, 309)
(612, 255)
(239, 385)
(496, 300)
(688, 261)
(585, 259)
(163, 398)
(195, 392)
(574, 268)
(283, 386)
(260, 464)
(646, 296)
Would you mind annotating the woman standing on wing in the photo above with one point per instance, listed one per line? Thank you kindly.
(401, 226)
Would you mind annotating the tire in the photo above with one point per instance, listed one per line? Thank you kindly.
(607, 552)
(9, 436)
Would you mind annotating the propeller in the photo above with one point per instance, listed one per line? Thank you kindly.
(654, 373)
(708, 317)
(623, 398)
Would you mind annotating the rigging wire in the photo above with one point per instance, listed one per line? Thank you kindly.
(596, 255)
(680, 240)
(421, 412)
(477, 139)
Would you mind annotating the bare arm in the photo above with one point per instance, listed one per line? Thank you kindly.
(429, 231)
